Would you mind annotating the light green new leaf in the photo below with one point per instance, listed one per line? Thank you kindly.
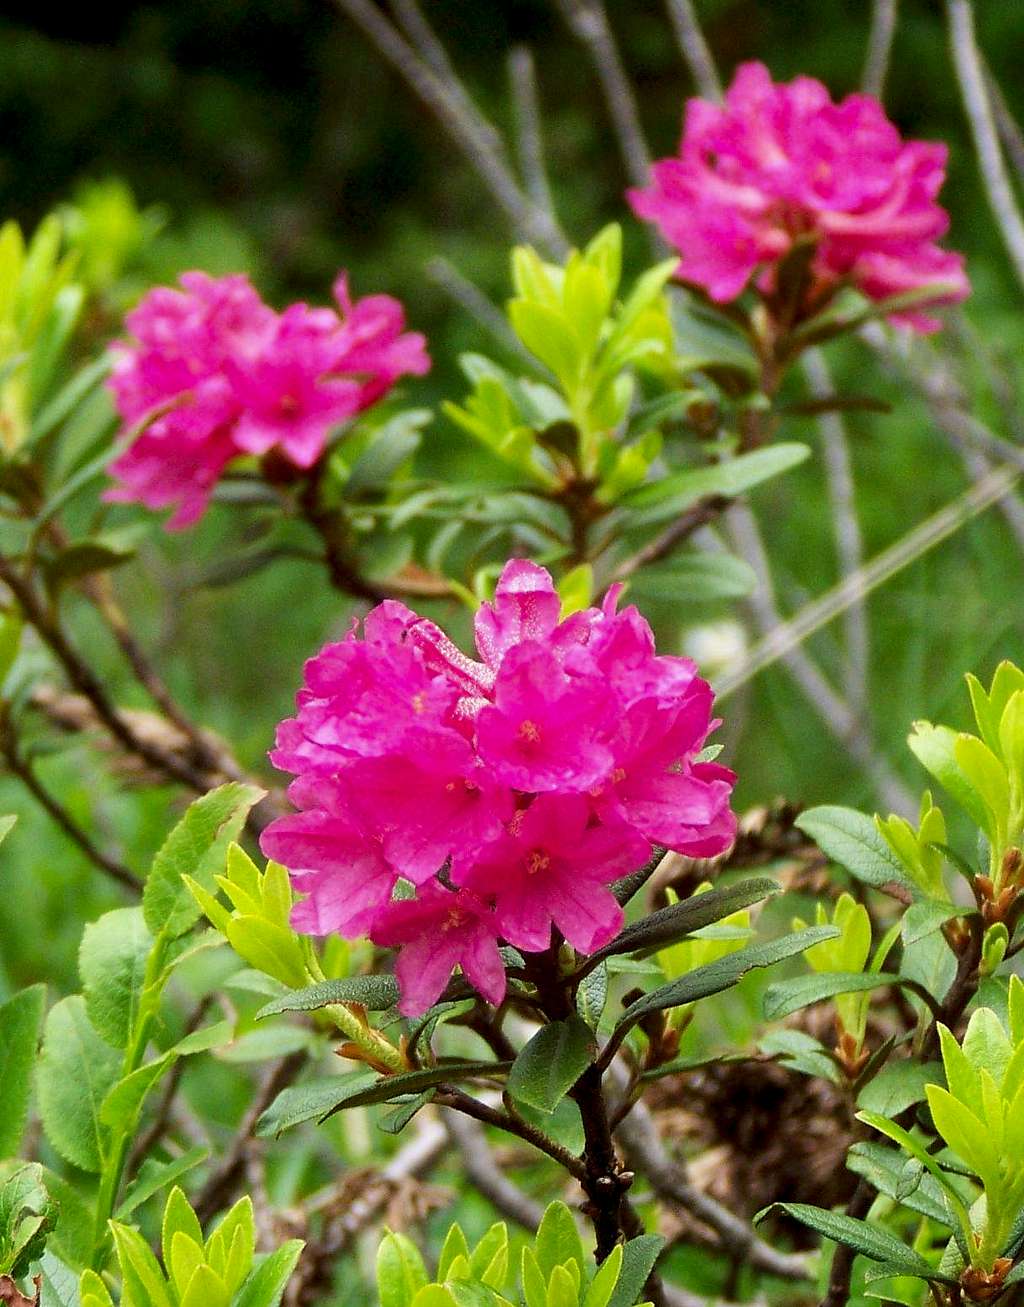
(266, 1285)
(558, 1239)
(400, 1271)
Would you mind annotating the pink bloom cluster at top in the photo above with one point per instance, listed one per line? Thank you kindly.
(509, 791)
(778, 162)
(213, 373)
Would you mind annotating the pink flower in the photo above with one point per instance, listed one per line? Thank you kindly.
(554, 866)
(545, 730)
(658, 788)
(340, 869)
(212, 373)
(778, 163)
(532, 778)
(436, 932)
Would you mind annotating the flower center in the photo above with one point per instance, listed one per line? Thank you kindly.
(529, 731)
(456, 917)
(537, 860)
(288, 406)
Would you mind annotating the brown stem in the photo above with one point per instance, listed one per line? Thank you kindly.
(700, 514)
(212, 756)
(606, 1182)
(449, 1096)
(85, 680)
(838, 1293)
(223, 1181)
(21, 768)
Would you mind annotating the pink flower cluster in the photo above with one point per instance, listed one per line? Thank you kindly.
(213, 373)
(780, 162)
(509, 791)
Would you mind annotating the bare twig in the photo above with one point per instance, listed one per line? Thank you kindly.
(471, 299)
(694, 48)
(210, 754)
(783, 639)
(25, 772)
(588, 20)
(481, 1168)
(467, 126)
(1009, 129)
(344, 1221)
(830, 706)
(971, 76)
(85, 680)
(972, 439)
(223, 1181)
(161, 1117)
(515, 1125)
(529, 135)
(686, 525)
(880, 38)
(846, 527)
(639, 1137)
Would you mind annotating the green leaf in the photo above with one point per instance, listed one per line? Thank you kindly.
(311, 1100)
(678, 920)
(58, 1285)
(853, 841)
(786, 996)
(375, 993)
(898, 1086)
(21, 1018)
(922, 919)
(267, 1283)
(672, 494)
(638, 1258)
(27, 1215)
(884, 1168)
(871, 1240)
(154, 1176)
(99, 553)
(551, 1063)
(562, 1288)
(592, 995)
(558, 1240)
(196, 847)
(713, 977)
(112, 962)
(120, 1108)
(75, 1072)
(384, 1089)
(179, 1218)
(696, 578)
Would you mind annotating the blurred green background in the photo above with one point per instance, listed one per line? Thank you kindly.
(266, 135)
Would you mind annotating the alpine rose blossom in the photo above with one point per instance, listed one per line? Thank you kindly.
(211, 373)
(779, 163)
(447, 805)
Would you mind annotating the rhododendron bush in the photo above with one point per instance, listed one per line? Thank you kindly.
(527, 892)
